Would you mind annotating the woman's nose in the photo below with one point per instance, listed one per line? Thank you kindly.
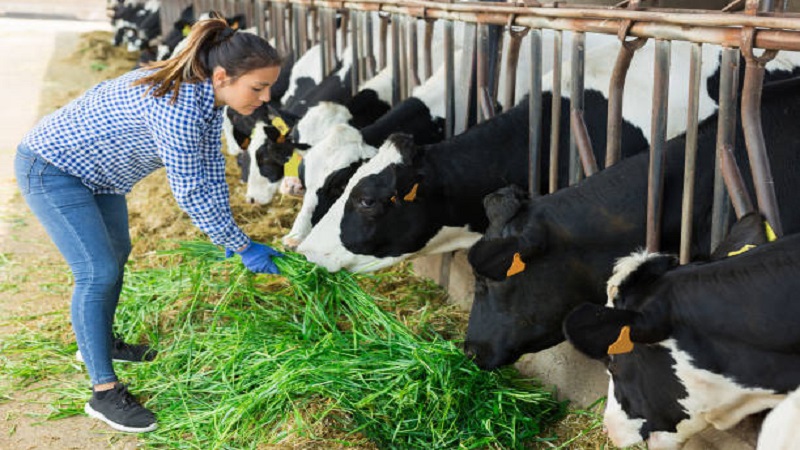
(265, 96)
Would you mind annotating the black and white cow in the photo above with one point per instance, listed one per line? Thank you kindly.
(697, 345)
(448, 214)
(567, 241)
(331, 163)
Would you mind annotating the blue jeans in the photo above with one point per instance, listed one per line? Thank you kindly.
(91, 232)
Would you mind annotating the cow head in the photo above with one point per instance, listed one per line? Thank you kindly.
(329, 165)
(318, 121)
(529, 273)
(266, 161)
(649, 397)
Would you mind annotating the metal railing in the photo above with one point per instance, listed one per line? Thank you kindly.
(369, 26)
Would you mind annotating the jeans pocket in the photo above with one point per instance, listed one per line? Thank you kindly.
(23, 168)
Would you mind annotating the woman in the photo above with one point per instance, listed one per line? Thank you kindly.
(75, 167)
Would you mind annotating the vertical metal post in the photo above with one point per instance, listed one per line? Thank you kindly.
(369, 47)
(322, 17)
(399, 51)
(482, 68)
(690, 157)
(355, 71)
(260, 19)
(449, 74)
(576, 101)
(555, 110)
(397, 77)
(427, 44)
(535, 115)
(655, 188)
(726, 137)
(382, 40)
(615, 96)
(466, 83)
(511, 63)
(412, 55)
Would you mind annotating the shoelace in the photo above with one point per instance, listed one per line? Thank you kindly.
(125, 401)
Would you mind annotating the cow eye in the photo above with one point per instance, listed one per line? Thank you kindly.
(366, 202)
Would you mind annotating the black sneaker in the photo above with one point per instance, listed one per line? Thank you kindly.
(120, 410)
(123, 352)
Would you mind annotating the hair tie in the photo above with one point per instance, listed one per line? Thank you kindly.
(225, 34)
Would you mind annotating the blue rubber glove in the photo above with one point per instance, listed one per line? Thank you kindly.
(258, 258)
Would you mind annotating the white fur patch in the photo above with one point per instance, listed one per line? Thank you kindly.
(318, 121)
(343, 146)
(381, 84)
(323, 245)
(231, 145)
(259, 189)
(622, 430)
(623, 268)
(780, 430)
(307, 66)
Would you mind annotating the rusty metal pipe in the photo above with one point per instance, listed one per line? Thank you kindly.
(726, 137)
(555, 110)
(756, 147)
(369, 44)
(512, 59)
(486, 103)
(576, 101)
(616, 91)
(449, 85)
(734, 183)
(584, 143)
(690, 157)
(658, 140)
(397, 76)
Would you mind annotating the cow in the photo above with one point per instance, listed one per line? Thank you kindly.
(448, 215)
(567, 241)
(702, 344)
(331, 164)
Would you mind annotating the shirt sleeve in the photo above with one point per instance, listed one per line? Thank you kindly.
(191, 151)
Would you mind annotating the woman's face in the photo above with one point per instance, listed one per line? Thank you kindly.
(246, 93)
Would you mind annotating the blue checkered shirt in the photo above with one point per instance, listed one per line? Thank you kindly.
(113, 136)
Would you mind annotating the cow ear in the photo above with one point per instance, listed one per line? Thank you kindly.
(596, 331)
(748, 232)
(497, 259)
(653, 268)
(502, 204)
(404, 143)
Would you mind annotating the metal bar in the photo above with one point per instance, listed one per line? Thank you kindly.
(655, 188)
(690, 157)
(322, 17)
(486, 103)
(734, 183)
(726, 137)
(583, 142)
(400, 49)
(383, 32)
(555, 110)
(343, 29)
(369, 44)
(302, 30)
(616, 91)
(427, 56)
(576, 101)
(261, 29)
(784, 39)
(449, 88)
(512, 60)
(465, 86)
(534, 111)
(756, 147)
(397, 77)
(482, 65)
(412, 55)
(355, 71)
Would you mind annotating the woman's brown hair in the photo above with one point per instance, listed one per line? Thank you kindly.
(210, 43)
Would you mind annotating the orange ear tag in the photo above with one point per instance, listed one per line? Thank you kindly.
(623, 344)
(412, 194)
(517, 266)
(393, 199)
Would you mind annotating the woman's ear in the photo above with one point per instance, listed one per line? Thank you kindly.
(219, 77)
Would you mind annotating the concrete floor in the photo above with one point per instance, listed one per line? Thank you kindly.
(27, 38)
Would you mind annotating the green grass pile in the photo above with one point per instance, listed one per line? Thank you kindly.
(249, 360)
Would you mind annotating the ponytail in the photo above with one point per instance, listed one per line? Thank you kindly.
(210, 43)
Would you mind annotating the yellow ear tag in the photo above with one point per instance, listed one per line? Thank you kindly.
(412, 194)
(278, 123)
(623, 344)
(744, 248)
(769, 232)
(186, 29)
(517, 266)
